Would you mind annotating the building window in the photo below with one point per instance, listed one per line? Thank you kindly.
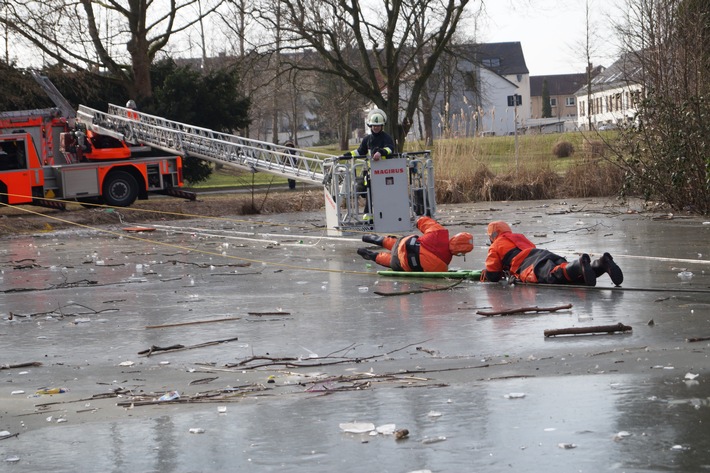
(553, 101)
(569, 102)
(470, 81)
(491, 62)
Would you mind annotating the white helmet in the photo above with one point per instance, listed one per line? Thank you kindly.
(131, 104)
(376, 117)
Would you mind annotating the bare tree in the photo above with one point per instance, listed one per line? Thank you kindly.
(668, 39)
(251, 50)
(588, 56)
(296, 91)
(589, 47)
(238, 20)
(667, 152)
(335, 103)
(276, 95)
(373, 49)
(118, 37)
(441, 81)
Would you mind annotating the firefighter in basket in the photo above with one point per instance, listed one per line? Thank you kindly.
(430, 252)
(378, 145)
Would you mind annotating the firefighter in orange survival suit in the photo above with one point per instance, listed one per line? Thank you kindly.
(514, 253)
(431, 252)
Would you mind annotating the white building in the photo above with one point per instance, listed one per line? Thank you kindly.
(615, 96)
(471, 96)
(497, 85)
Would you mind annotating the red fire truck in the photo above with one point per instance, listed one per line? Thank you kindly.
(46, 158)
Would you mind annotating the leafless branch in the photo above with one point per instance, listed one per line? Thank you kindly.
(523, 310)
(588, 330)
(419, 291)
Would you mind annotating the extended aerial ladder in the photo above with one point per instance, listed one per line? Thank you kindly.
(401, 188)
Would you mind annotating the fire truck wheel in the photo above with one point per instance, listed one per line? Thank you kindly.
(120, 189)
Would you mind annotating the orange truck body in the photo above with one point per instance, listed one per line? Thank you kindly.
(45, 160)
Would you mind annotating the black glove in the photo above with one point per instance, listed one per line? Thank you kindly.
(347, 155)
(367, 254)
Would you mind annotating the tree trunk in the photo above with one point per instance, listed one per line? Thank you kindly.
(277, 80)
(142, 89)
(427, 113)
(343, 133)
(294, 109)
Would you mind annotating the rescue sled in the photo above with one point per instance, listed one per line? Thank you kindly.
(459, 274)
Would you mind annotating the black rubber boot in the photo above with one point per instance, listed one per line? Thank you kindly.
(374, 239)
(367, 254)
(581, 271)
(606, 264)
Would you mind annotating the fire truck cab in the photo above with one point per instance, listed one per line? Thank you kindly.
(20, 168)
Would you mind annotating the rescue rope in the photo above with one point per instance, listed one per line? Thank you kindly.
(613, 288)
(169, 213)
(186, 248)
(661, 258)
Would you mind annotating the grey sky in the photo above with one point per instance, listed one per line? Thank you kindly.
(552, 32)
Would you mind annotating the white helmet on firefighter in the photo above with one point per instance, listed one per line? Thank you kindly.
(131, 104)
(376, 117)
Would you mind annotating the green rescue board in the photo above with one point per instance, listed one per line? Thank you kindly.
(461, 274)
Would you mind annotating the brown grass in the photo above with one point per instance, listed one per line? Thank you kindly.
(464, 174)
(525, 185)
(592, 178)
(463, 188)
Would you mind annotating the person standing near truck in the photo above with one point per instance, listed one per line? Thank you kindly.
(291, 161)
(132, 112)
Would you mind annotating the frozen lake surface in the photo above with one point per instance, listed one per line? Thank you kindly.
(286, 343)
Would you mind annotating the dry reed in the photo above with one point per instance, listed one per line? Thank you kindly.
(592, 178)
(464, 174)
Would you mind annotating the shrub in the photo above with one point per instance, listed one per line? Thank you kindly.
(667, 158)
(594, 149)
(563, 149)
